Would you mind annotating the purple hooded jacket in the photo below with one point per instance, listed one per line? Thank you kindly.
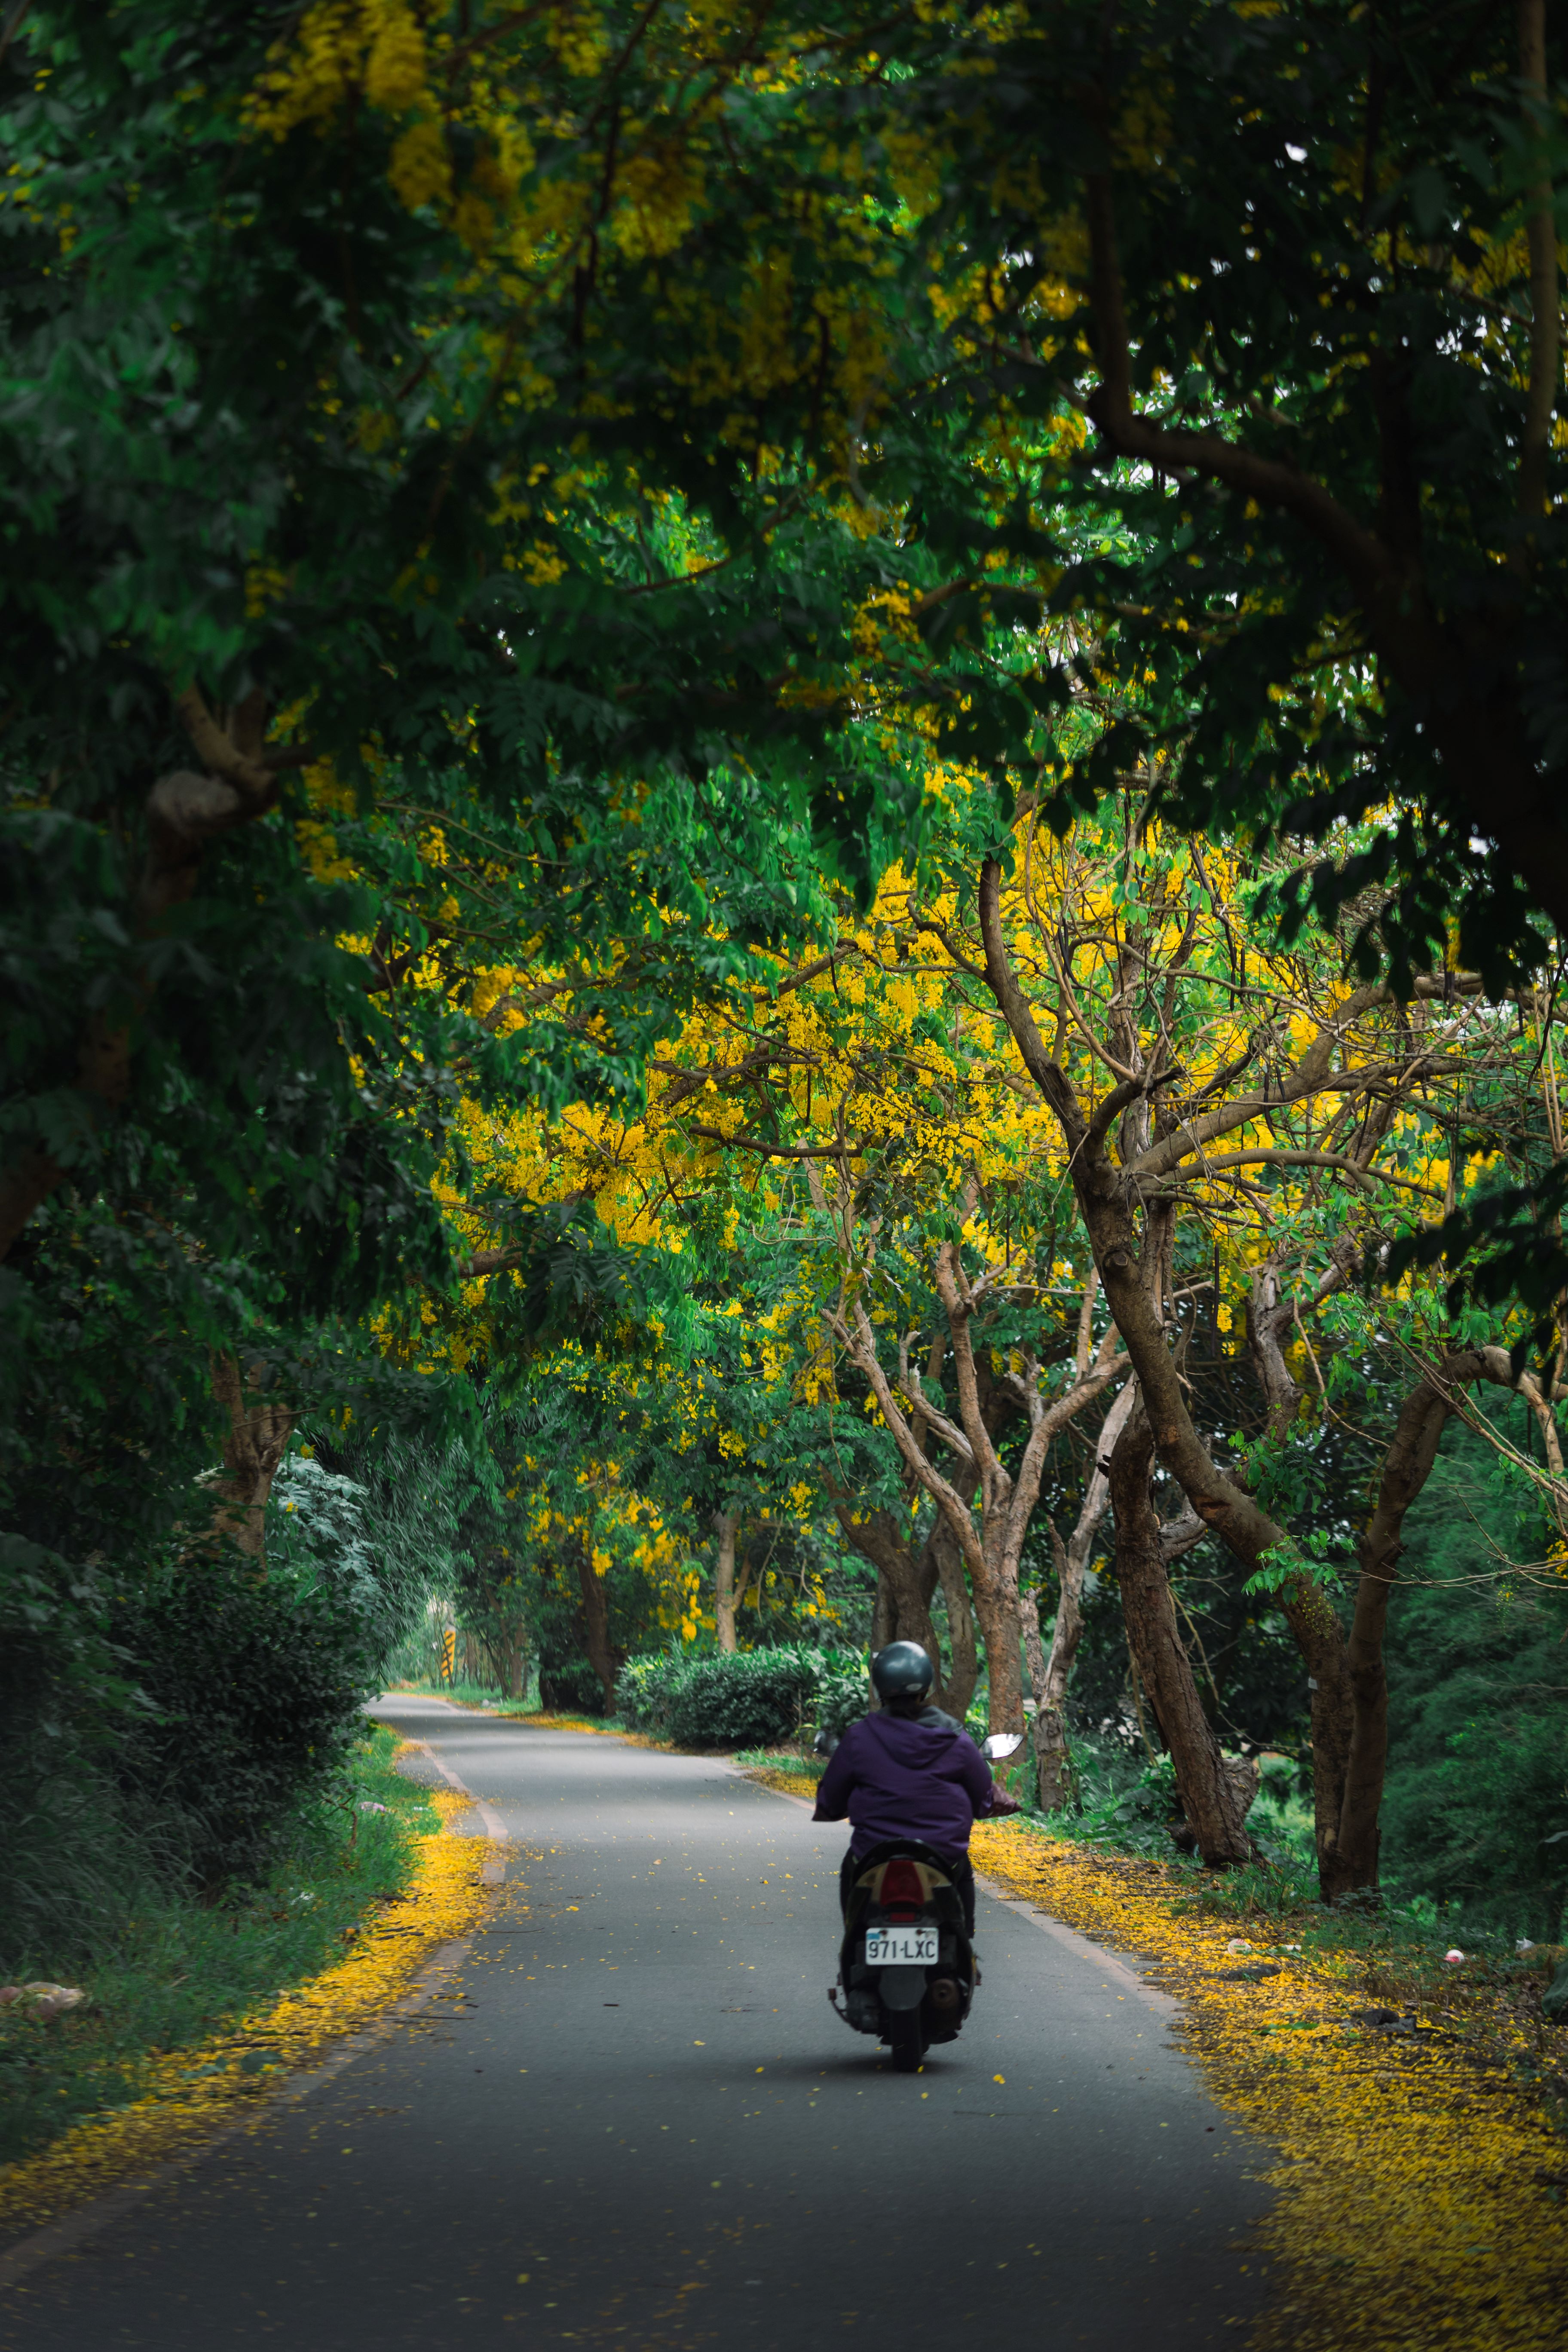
(897, 1776)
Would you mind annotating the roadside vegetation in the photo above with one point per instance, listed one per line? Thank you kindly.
(165, 1972)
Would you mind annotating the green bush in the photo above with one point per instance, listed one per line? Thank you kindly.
(166, 1733)
(162, 1968)
(1134, 1816)
(643, 1688)
(741, 1698)
(255, 1688)
(569, 1686)
(1475, 1811)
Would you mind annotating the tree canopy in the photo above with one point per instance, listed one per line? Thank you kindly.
(783, 801)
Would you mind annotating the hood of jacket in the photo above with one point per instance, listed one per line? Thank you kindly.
(917, 1741)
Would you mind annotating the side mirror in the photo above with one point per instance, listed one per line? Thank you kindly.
(1003, 1743)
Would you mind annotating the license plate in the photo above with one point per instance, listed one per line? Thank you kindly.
(898, 1947)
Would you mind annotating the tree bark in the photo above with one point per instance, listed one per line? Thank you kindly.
(507, 1647)
(906, 1580)
(964, 1655)
(996, 1611)
(1212, 1801)
(1054, 1672)
(724, 1525)
(259, 1428)
(596, 1640)
(513, 1662)
(1407, 1467)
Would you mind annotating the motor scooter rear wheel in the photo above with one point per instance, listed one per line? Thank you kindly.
(906, 2040)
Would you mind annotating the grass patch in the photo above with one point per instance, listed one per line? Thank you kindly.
(786, 1763)
(178, 1970)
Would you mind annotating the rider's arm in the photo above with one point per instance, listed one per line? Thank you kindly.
(833, 1789)
(983, 1791)
(975, 1774)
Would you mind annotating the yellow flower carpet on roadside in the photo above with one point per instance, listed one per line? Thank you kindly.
(536, 1722)
(579, 1723)
(192, 2092)
(791, 1784)
(1419, 2191)
(566, 1723)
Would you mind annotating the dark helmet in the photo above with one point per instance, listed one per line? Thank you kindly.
(902, 1671)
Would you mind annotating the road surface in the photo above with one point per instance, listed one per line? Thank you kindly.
(631, 2119)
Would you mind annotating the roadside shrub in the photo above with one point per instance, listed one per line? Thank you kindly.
(1475, 1809)
(61, 1678)
(169, 1734)
(74, 1870)
(255, 1689)
(741, 1698)
(569, 1686)
(643, 1688)
(843, 1692)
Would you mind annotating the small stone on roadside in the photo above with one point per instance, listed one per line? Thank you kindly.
(42, 1999)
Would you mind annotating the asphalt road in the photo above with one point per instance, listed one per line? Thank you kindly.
(631, 2119)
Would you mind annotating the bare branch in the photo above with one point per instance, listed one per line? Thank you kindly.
(1268, 1157)
(1362, 556)
(251, 779)
(859, 1340)
(844, 1151)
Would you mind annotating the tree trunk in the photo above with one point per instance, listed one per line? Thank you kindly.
(508, 1657)
(996, 1607)
(183, 813)
(906, 1580)
(1353, 1861)
(1050, 1731)
(1052, 1674)
(882, 1620)
(724, 1525)
(964, 1656)
(597, 1623)
(1007, 1496)
(1212, 1801)
(259, 1428)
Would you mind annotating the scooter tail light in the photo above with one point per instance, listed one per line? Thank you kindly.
(901, 1887)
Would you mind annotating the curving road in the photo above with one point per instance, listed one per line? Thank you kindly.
(630, 2118)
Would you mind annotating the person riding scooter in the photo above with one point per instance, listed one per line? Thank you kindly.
(909, 1770)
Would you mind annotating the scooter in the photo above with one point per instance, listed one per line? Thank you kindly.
(907, 1969)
